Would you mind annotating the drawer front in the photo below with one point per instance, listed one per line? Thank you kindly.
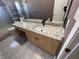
(33, 37)
(48, 44)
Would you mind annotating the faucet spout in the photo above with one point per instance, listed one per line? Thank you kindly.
(44, 22)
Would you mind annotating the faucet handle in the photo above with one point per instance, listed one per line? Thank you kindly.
(44, 22)
(50, 19)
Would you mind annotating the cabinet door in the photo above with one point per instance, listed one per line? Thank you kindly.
(32, 37)
(48, 44)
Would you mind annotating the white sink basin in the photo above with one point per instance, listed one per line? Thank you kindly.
(41, 29)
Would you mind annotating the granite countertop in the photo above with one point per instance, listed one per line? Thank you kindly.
(55, 32)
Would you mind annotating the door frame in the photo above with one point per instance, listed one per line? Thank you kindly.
(74, 48)
(69, 38)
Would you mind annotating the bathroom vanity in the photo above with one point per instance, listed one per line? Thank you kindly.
(46, 37)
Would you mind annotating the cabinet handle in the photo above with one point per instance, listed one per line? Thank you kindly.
(36, 38)
(67, 50)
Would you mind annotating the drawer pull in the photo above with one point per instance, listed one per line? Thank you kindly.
(36, 38)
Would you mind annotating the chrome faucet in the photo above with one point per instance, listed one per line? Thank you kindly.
(44, 22)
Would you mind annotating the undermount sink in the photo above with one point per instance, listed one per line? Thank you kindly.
(41, 29)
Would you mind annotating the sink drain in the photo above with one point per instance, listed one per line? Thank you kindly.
(41, 30)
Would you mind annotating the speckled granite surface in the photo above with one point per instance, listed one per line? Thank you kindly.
(55, 32)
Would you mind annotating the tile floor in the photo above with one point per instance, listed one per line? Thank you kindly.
(11, 48)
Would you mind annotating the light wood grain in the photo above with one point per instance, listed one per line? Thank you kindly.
(48, 44)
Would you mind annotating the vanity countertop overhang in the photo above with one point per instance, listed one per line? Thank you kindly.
(55, 32)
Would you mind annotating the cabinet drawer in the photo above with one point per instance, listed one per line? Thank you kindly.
(32, 37)
(48, 44)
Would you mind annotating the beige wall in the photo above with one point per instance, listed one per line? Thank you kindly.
(58, 9)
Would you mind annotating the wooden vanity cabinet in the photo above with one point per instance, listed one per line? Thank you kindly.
(32, 37)
(48, 44)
